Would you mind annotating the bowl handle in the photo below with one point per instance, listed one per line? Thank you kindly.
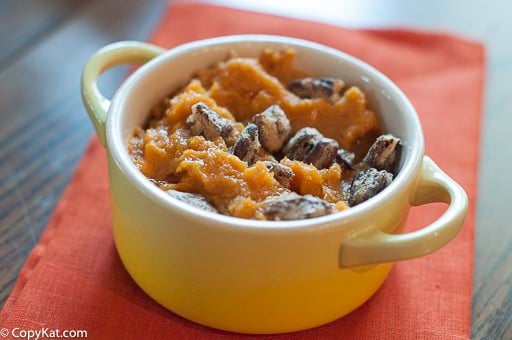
(123, 52)
(378, 247)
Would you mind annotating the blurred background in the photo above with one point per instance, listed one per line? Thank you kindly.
(44, 129)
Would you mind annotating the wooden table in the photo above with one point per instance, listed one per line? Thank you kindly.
(44, 129)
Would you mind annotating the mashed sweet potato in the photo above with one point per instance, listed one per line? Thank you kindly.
(174, 158)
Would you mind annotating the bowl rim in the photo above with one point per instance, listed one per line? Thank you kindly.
(116, 143)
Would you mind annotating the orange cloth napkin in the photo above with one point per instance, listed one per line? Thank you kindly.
(74, 279)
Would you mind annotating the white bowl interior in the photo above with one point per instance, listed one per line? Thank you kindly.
(156, 79)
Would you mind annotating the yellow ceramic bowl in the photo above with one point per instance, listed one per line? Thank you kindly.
(256, 276)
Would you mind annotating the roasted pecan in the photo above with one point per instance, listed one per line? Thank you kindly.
(302, 143)
(383, 153)
(207, 122)
(321, 87)
(323, 153)
(195, 200)
(345, 158)
(368, 183)
(282, 173)
(274, 128)
(247, 144)
(296, 207)
(309, 146)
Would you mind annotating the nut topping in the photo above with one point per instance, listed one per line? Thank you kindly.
(346, 158)
(247, 145)
(207, 122)
(296, 207)
(323, 153)
(309, 146)
(274, 128)
(368, 183)
(321, 87)
(300, 144)
(282, 173)
(383, 153)
(195, 200)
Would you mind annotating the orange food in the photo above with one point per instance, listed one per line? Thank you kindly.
(237, 89)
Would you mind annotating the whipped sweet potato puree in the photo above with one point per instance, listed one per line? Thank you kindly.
(174, 158)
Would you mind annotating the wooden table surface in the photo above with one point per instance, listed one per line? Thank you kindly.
(44, 129)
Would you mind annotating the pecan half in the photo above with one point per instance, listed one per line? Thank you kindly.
(383, 153)
(309, 146)
(195, 200)
(368, 183)
(323, 153)
(296, 207)
(282, 173)
(345, 158)
(247, 145)
(322, 87)
(207, 122)
(274, 128)
(302, 143)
